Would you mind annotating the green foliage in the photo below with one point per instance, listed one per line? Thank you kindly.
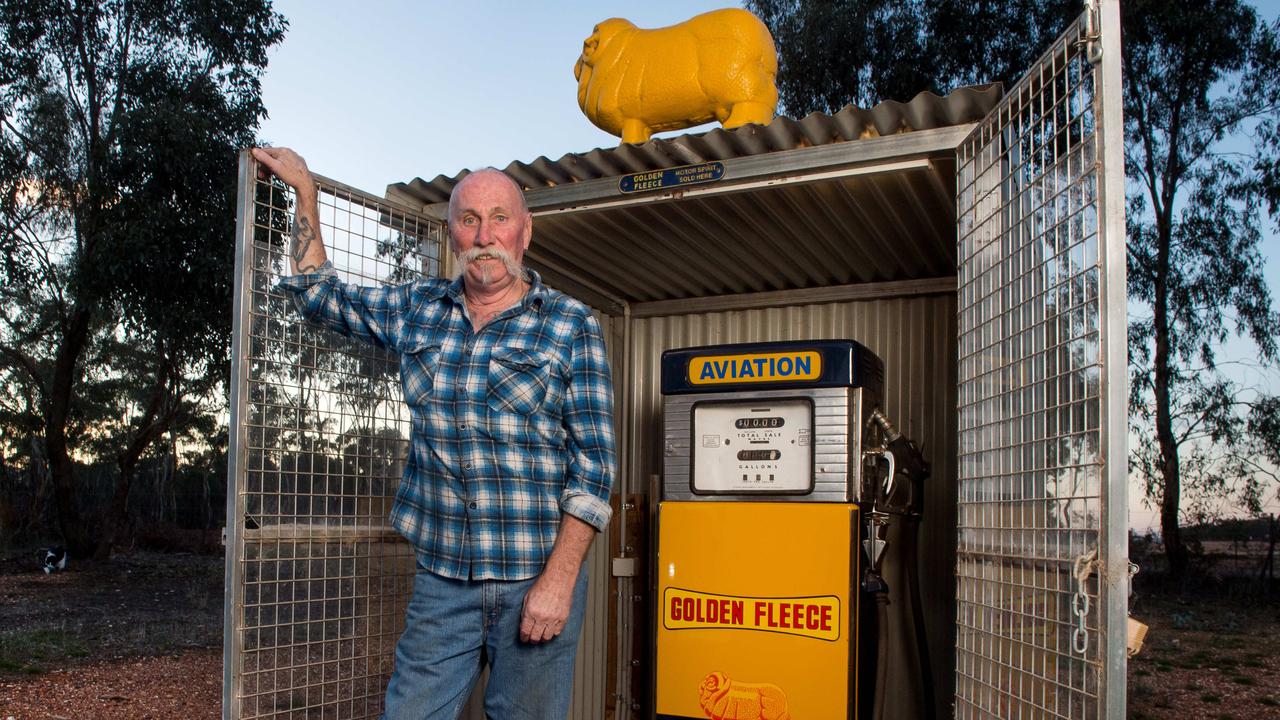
(1202, 101)
(835, 52)
(119, 126)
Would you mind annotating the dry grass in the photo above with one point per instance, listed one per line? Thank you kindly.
(1215, 656)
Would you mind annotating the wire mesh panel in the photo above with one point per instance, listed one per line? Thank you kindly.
(317, 581)
(1041, 451)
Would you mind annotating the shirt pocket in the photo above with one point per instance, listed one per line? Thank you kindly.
(517, 380)
(418, 364)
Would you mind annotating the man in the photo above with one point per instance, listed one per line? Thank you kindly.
(511, 457)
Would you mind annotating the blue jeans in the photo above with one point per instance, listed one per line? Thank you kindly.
(452, 626)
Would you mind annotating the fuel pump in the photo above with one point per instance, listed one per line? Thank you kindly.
(789, 504)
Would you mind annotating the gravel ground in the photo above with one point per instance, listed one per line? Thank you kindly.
(1206, 658)
(137, 637)
(186, 686)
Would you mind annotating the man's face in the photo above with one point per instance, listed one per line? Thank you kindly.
(490, 230)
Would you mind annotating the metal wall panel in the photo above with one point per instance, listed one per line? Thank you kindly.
(317, 581)
(916, 339)
(1041, 364)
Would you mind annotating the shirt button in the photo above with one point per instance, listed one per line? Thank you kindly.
(462, 426)
(472, 506)
(466, 466)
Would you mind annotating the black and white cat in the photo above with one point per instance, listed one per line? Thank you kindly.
(54, 558)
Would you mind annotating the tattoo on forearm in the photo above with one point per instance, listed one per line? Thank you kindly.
(302, 235)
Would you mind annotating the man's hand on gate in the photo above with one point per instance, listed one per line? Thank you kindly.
(288, 166)
(546, 606)
(306, 247)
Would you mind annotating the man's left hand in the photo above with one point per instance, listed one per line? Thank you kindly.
(546, 606)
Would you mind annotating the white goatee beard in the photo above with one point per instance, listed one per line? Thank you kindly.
(509, 263)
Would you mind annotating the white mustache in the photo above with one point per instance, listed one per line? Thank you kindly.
(493, 251)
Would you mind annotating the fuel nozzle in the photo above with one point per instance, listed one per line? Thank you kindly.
(901, 498)
(878, 419)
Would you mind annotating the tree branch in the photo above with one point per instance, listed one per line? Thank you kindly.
(125, 35)
(27, 364)
(1146, 135)
(1216, 129)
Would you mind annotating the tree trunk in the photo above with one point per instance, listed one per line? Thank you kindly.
(171, 478)
(159, 415)
(77, 535)
(9, 494)
(206, 504)
(39, 472)
(1267, 573)
(115, 524)
(1170, 467)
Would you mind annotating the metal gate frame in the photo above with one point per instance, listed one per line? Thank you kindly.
(1042, 566)
(316, 580)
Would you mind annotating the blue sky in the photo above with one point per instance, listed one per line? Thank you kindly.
(402, 89)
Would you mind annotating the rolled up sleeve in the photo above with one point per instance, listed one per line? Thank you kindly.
(372, 314)
(588, 420)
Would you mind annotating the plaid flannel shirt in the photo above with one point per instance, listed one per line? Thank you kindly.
(512, 424)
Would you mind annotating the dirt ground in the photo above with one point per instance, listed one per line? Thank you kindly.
(137, 637)
(184, 686)
(1216, 658)
(141, 638)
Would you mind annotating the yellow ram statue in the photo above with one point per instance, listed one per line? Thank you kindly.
(716, 66)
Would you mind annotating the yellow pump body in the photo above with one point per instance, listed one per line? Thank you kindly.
(718, 65)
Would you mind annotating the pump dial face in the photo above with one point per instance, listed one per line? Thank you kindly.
(753, 447)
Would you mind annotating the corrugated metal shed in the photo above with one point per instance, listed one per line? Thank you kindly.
(838, 225)
(853, 197)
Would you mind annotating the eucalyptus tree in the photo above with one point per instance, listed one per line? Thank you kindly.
(119, 123)
(1202, 102)
(835, 52)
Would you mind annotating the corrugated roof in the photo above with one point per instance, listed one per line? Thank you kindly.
(860, 196)
(926, 111)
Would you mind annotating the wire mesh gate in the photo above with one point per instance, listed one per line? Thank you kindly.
(1042, 387)
(317, 582)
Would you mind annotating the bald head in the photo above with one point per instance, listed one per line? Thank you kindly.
(487, 174)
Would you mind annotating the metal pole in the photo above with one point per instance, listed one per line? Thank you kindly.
(238, 397)
(1113, 575)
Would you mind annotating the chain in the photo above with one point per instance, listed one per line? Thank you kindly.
(1085, 565)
